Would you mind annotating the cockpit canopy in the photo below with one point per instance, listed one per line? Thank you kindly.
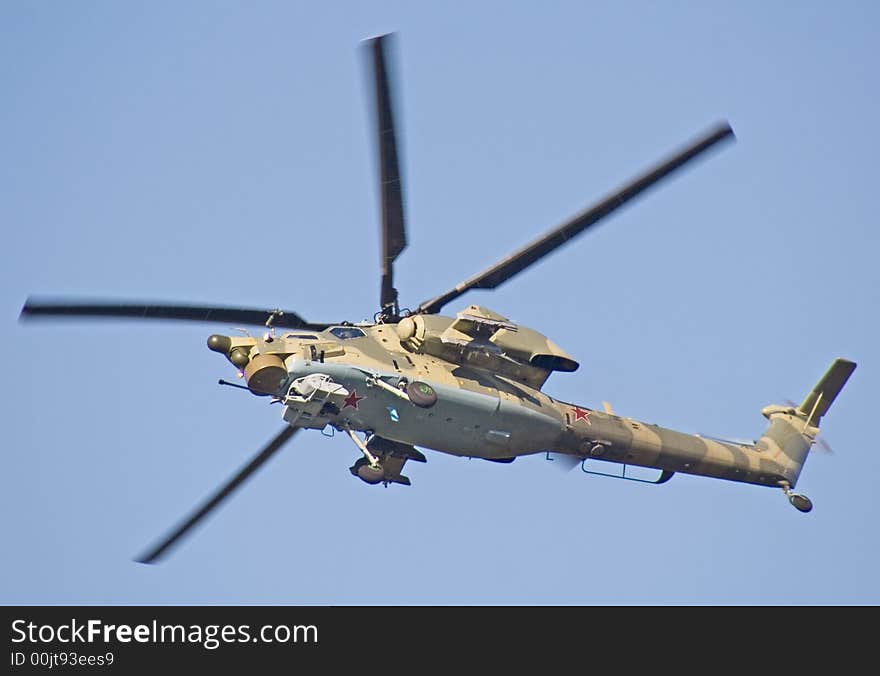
(347, 332)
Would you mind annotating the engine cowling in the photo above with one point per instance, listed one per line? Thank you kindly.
(481, 338)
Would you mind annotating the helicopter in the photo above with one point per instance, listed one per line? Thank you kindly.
(469, 385)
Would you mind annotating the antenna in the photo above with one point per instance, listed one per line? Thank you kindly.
(236, 385)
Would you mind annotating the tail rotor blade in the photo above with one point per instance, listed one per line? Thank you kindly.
(154, 554)
(820, 442)
(563, 461)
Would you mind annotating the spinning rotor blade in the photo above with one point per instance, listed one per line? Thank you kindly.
(820, 442)
(390, 188)
(35, 308)
(531, 253)
(258, 460)
(564, 461)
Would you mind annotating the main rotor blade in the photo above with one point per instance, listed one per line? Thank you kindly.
(521, 259)
(268, 451)
(35, 308)
(390, 187)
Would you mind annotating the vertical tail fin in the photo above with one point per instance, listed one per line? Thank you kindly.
(793, 431)
(817, 402)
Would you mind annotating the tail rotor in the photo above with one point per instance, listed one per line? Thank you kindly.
(819, 442)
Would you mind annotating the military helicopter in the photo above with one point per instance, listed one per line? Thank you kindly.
(468, 385)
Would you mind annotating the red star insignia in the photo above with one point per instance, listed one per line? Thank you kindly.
(352, 400)
(581, 414)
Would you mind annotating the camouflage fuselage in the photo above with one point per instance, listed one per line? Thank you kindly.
(482, 414)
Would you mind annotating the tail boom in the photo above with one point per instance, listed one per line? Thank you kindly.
(632, 442)
(776, 459)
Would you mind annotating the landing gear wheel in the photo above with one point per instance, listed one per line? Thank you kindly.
(800, 502)
(421, 394)
(366, 472)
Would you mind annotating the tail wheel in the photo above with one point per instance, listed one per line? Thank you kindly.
(800, 502)
(421, 394)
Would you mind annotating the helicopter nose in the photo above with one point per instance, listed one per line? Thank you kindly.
(218, 343)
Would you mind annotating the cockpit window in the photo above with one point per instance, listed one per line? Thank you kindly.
(346, 332)
(300, 336)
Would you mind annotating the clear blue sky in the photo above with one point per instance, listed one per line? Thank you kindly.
(219, 152)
